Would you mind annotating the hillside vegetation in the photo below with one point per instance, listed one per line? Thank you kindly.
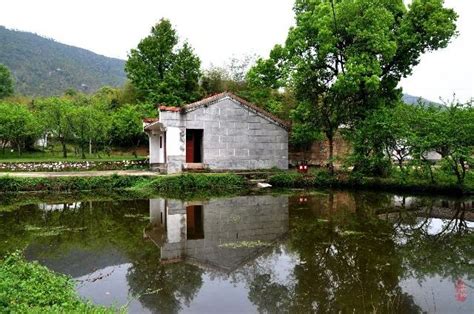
(44, 67)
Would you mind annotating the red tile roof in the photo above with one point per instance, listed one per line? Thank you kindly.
(150, 120)
(173, 109)
(214, 98)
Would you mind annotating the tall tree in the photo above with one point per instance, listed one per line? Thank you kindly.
(57, 115)
(17, 125)
(6, 82)
(162, 72)
(345, 58)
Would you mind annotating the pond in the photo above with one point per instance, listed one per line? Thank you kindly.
(319, 251)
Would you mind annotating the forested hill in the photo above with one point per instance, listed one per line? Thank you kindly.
(43, 66)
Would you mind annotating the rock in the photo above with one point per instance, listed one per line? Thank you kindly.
(263, 185)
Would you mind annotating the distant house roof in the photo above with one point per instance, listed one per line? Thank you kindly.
(218, 97)
(149, 120)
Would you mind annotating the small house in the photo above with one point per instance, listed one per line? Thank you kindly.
(221, 132)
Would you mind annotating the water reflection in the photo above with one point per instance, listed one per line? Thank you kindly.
(222, 233)
(315, 252)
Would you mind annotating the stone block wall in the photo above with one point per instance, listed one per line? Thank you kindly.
(318, 153)
(235, 230)
(235, 137)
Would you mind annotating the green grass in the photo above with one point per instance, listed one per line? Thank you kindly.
(54, 153)
(27, 287)
(181, 186)
(412, 183)
(172, 185)
(67, 184)
(49, 157)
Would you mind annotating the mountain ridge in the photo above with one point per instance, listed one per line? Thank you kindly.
(43, 67)
(58, 67)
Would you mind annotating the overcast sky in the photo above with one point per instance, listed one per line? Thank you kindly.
(220, 29)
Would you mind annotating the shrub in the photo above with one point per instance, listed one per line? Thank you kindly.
(288, 179)
(30, 287)
(195, 182)
(67, 184)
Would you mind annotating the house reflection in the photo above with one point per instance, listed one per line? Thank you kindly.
(221, 233)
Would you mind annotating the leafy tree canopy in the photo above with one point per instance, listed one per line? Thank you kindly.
(345, 58)
(6, 82)
(162, 72)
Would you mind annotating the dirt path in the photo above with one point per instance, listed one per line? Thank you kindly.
(79, 173)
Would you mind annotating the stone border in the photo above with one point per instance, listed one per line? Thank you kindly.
(58, 166)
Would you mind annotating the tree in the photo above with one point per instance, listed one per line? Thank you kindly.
(127, 126)
(160, 71)
(83, 119)
(56, 113)
(345, 58)
(184, 75)
(17, 125)
(386, 134)
(6, 82)
(453, 137)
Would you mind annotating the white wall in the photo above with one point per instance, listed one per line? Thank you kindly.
(157, 154)
(157, 211)
(176, 228)
(174, 143)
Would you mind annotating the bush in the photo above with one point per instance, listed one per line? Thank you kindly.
(289, 179)
(196, 182)
(67, 184)
(30, 287)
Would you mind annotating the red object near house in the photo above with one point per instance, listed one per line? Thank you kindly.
(303, 167)
(461, 293)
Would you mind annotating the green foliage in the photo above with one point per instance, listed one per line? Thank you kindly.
(57, 68)
(56, 114)
(415, 131)
(127, 126)
(161, 72)
(397, 182)
(6, 82)
(175, 185)
(289, 179)
(188, 183)
(345, 58)
(68, 184)
(451, 134)
(30, 287)
(385, 134)
(18, 126)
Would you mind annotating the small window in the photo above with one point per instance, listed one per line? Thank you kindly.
(161, 141)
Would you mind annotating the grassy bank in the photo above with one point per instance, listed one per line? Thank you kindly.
(411, 184)
(67, 184)
(31, 288)
(173, 184)
(215, 184)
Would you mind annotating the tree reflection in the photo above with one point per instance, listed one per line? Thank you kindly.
(49, 235)
(442, 238)
(163, 288)
(347, 262)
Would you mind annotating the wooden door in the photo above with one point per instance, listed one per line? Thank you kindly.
(190, 138)
(194, 222)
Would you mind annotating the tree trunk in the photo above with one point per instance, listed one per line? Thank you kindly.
(331, 153)
(456, 171)
(431, 174)
(400, 163)
(63, 144)
(83, 150)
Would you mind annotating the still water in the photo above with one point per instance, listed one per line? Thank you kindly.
(330, 251)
